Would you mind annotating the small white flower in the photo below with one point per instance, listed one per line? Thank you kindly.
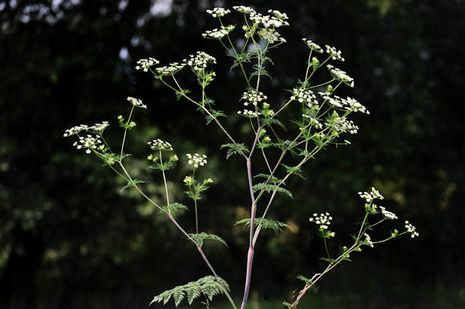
(199, 61)
(304, 96)
(170, 69)
(75, 130)
(89, 143)
(218, 34)
(367, 241)
(268, 21)
(334, 53)
(253, 97)
(372, 195)
(340, 75)
(96, 128)
(218, 12)
(158, 144)
(243, 9)
(313, 46)
(411, 229)
(279, 15)
(136, 102)
(196, 160)
(341, 124)
(248, 113)
(353, 105)
(99, 127)
(145, 64)
(388, 214)
(323, 220)
(271, 35)
(188, 180)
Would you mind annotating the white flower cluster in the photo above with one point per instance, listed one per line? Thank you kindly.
(346, 126)
(97, 128)
(353, 105)
(334, 101)
(278, 14)
(275, 20)
(271, 35)
(199, 61)
(170, 69)
(218, 12)
(313, 46)
(196, 159)
(158, 144)
(411, 229)
(340, 75)
(323, 220)
(218, 34)
(388, 214)
(304, 96)
(367, 241)
(243, 9)
(136, 102)
(89, 143)
(348, 104)
(248, 113)
(372, 195)
(145, 64)
(75, 130)
(334, 53)
(253, 97)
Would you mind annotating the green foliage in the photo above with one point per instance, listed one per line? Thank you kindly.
(199, 238)
(175, 209)
(233, 149)
(265, 224)
(131, 183)
(208, 286)
(268, 187)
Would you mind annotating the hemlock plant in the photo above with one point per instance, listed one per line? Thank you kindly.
(323, 121)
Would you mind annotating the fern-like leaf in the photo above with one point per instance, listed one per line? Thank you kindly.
(233, 149)
(214, 114)
(175, 208)
(268, 187)
(209, 286)
(132, 183)
(199, 238)
(266, 224)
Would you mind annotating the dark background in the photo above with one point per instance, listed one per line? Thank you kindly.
(70, 239)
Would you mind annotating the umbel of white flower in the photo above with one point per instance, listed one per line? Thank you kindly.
(196, 159)
(371, 195)
(158, 144)
(411, 229)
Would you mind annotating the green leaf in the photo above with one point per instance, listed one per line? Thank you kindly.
(268, 187)
(272, 179)
(233, 149)
(329, 260)
(132, 183)
(269, 121)
(175, 208)
(182, 93)
(304, 279)
(266, 224)
(209, 286)
(201, 237)
(214, 114)
(294, 170)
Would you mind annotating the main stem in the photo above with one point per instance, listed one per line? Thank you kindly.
(250, 253)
